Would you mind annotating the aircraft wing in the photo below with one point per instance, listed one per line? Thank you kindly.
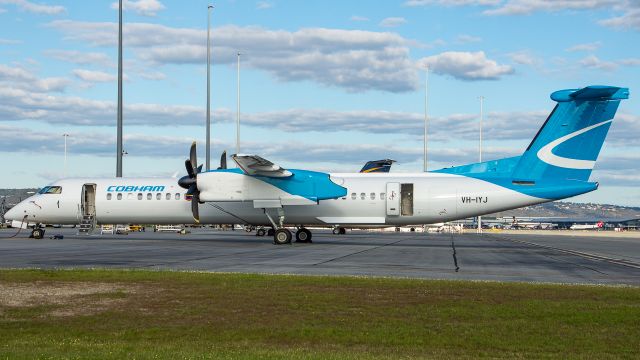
(255, 165)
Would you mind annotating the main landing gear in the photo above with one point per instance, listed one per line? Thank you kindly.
(339, 230)
(282, 235)
(303, 235)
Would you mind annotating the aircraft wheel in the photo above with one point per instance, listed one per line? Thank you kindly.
(336, 231)
(343, 231)
(282, 236)
(37, 233)
(261, 232)
(303, 235)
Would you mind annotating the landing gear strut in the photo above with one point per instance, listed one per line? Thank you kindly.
(281, 235)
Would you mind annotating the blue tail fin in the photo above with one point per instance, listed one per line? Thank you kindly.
(568, 144)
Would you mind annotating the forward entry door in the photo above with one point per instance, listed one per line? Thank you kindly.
(88, 199)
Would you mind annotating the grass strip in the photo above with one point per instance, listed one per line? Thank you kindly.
(112, 314)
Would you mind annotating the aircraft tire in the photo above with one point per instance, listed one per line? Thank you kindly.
(303, 235)
(336, 231)
(270, 232)
(37, 233)
(261, 232)
(343, 231)
(282, 236)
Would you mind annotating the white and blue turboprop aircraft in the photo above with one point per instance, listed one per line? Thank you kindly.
(556, 165)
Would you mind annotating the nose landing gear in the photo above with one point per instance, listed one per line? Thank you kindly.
(37, 233)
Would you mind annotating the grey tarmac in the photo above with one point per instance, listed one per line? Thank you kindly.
(490, 256)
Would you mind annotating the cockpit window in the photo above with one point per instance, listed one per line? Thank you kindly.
(51, 190)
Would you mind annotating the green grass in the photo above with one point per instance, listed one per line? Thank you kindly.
(148, 314)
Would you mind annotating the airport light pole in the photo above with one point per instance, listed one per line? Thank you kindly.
(480, 153)
(65, 155)
(238, 110)
(426, 119)
(208, 146)
(119, 125)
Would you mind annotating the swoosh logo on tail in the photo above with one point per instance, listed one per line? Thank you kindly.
(545, 153)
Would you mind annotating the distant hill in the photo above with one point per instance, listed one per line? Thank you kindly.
(575, 211)
(552, 209)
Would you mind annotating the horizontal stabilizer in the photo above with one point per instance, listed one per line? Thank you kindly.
(594, 92)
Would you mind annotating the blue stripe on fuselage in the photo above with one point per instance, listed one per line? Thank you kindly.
(499, 172)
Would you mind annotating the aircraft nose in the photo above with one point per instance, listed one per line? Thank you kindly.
(15, 213)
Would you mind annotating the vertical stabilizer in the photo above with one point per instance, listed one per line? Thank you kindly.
(568, 144)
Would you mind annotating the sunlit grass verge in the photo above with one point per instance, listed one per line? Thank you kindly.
(112, 314)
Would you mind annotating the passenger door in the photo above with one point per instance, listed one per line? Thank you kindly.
(88, 201)
(406, 199)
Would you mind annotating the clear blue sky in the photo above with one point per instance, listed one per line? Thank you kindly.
(325, 85)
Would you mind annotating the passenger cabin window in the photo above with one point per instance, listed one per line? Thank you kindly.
(158, 196)
(353, 196)
(51, 190)
(149, 196)
(373, 196)
(119, 196)
(177, 196)
(381, 196)
(362, 196)
(109, 196)
(130, 196)
(139, 196)
(168, 196)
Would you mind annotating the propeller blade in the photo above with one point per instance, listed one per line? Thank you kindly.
(193, 156)
(199, 169)
(195, 200)
(223, 160)
(187, 165)
(192, 189)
